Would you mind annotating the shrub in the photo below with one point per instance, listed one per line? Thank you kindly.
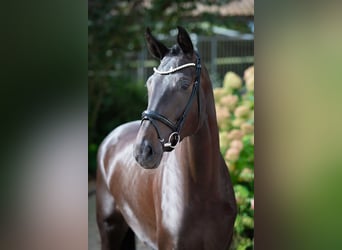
(122, 102)
(235, 116)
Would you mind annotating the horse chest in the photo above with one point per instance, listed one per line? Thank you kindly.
(173, 199)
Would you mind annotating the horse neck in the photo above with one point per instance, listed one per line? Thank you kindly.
(202, 152)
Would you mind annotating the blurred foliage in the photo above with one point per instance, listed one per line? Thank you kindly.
(116, 28)
(115, 103)
(235, 116)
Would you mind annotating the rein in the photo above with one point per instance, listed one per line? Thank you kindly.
(153, 116)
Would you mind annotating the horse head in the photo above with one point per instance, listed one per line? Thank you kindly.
(175, 100)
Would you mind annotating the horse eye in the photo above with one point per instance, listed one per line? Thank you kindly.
(184, 84)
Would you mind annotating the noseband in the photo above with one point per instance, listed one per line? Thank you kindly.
(153, 116)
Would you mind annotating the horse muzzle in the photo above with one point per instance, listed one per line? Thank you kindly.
(146, 155)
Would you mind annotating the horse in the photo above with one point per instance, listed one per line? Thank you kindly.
(163, 178)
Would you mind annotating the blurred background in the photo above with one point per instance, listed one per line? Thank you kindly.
(119, 65)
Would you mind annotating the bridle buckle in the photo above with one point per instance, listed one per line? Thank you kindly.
(174, 139)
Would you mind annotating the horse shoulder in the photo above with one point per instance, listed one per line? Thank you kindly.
(114, 147)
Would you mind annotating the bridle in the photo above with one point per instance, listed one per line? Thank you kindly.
(153, 116)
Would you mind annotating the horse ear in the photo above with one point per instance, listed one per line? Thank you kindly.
(156, 48)
(184, 40)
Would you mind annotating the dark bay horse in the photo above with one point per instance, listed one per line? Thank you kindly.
(163, 177)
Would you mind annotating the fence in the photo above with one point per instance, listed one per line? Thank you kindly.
(220, 55)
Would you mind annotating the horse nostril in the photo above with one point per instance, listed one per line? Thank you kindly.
(147, 151)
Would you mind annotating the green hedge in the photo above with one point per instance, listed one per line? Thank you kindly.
(122, 101)
(235, 116)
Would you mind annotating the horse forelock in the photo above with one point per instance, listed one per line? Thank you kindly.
(175, 50)
(175, 58)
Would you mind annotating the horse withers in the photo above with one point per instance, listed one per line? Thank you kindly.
(163, 177)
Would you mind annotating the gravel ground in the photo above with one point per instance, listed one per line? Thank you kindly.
(93, 234)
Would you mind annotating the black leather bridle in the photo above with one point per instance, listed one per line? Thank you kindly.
(153, 116)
